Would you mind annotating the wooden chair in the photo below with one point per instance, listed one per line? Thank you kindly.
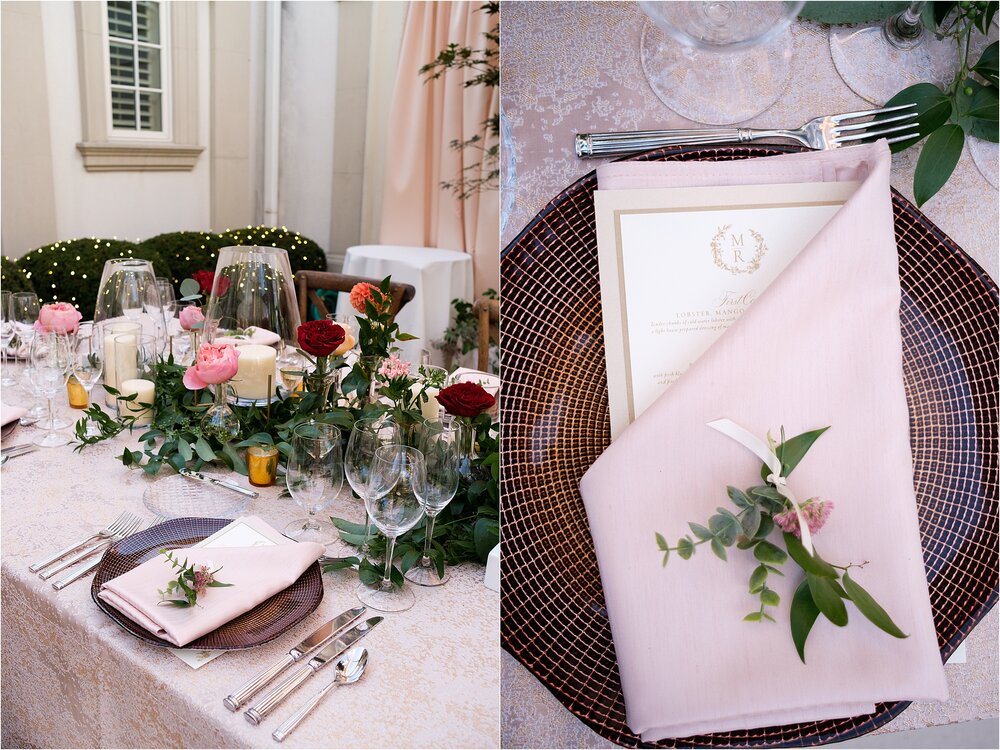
(308, 282)
(489, 328)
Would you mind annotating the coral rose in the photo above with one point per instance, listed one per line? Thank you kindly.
(58, 317)
(191, 316)
(320, 338)
(361, 293)
(466, 399)
(215, 363)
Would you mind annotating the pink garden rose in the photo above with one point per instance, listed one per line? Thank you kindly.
(216, 363)
(58, 317)
(190, 316)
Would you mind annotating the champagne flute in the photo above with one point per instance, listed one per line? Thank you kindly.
(441, 445)
(315, 476)
(395, 485)
(6, 334)
(367, 436)
(50, 359)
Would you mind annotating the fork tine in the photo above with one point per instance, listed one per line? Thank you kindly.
(870, 112)
(878, 133)
(886, 121)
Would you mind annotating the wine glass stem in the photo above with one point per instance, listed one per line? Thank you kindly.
(52, 418)
(903, 29)
(365, 548)
(425, 561)
(387, 576)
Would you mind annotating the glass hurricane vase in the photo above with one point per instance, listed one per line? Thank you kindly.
(220, 420)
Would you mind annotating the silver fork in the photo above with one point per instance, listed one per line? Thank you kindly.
(132, 525)
(86, 569)
(820, 133)
(104, 533)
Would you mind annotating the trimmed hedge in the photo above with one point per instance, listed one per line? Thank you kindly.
(12, 277)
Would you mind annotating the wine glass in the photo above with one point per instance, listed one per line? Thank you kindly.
(396, 483)
(6, 334)
(88, 359)
(315, 476)
(50, 359)
(878, 61)
(441, 445)
(718, 62)
(367, 436)
(168, 303)
(26, 309)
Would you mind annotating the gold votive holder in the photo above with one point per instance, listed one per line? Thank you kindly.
(262, 465)
(76, 393)
(291, 378)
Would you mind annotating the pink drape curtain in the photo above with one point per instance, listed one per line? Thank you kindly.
(425, 118)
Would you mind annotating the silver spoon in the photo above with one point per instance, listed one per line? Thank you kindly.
(350, 669)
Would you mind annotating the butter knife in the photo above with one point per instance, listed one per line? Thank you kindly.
(268, 703)
(218, 482)
(318, 638)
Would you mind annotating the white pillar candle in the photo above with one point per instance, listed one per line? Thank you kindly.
(429, 408)
(144, 391)
(120, 353)
(257, 364)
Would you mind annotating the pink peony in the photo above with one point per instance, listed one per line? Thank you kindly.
(190, 316)
(393, 367)
(816, 512)
(216, 363)
(58, 317)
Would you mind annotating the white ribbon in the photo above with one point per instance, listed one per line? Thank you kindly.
(763, 451)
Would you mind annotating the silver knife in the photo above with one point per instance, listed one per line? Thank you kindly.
(319, 638)
(218, 482)
(268, 703)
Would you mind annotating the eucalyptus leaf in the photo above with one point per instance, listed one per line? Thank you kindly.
(937, 161)
(700, 531)
(757, 579)
(809, 563)
(753, 617)
(769, 553)
(827, 599)
(184, 448)
(738, 497)
(870, 608)
(204, 450)
(685, 548)
(743, 542)
(802, 617)
(189, 288)
(718, 549)
(750, 521)
(661, 542)
(765, 528)
(770, 598)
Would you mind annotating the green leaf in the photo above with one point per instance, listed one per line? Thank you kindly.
(351, 528)
(753, 617)
(184, 448)
(774, 570)
(988, 63)
(410, 558)
(750, 521)
(700, 531)
(738, 497)
(239, 464)
(486, 536)
(933, 110)
(792, 451)
(769, 553)
(937, 161)
(189, 288)
(661, 542)
(770, 598)
(204, 450)
(685, 548)
(802, 616)
(341, 564)
(743, 542)
(757, 579)
(857, 12)
(765, 528)
(809, 563)
(870, 608)
(725, 528)
(718, 549)
(827, 599)
(766, 490)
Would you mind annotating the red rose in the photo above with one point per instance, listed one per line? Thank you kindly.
(465, 399)
(320, 337)
(204, 279)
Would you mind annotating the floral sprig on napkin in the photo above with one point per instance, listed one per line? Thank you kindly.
(759, 511)
(191, 582)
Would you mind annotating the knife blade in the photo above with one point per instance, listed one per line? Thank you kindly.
(268, 703)
(218, 482)
(320, 637)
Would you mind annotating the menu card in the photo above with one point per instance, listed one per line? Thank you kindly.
(680, 265)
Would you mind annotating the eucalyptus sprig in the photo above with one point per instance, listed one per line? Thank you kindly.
(826, 586)
(191, 582)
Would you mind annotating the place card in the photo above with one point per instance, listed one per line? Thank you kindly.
(679, 265)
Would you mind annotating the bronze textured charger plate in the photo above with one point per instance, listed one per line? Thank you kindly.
(556, 425)
(263, 623)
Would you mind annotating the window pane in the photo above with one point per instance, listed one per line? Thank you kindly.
(149, 67)
(120, 19)
(147, 22)
(150, 117)
(123, 108)
(122, 64)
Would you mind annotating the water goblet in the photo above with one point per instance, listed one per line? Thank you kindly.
(50, 360)
(315, 476)
(367, 436)
(395, 485)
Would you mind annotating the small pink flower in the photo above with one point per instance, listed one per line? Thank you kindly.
(190, 316)
(58, 317)
(216, 363)
(393, 367)
(816, 512)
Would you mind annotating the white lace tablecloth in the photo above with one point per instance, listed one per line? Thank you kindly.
(574, 68)
(72, 678)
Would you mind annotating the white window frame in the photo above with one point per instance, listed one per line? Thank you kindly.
(166, 91)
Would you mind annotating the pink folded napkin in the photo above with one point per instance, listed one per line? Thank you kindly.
(260, 336)
(256, 573)
(9, 413)
(820, 347)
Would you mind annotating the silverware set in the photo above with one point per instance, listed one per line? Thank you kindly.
(332, 642)
(121, 527)
(16, 450)
(820, 133)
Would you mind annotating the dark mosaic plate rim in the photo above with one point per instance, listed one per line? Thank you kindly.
(614, 728)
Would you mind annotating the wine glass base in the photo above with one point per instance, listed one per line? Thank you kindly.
(715, 88)
(986, 157)
(428, 576)
(51, 440)
(301, 532)
(396, 600)
(876, 70)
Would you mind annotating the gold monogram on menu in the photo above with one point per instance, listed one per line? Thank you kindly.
(738, 251)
